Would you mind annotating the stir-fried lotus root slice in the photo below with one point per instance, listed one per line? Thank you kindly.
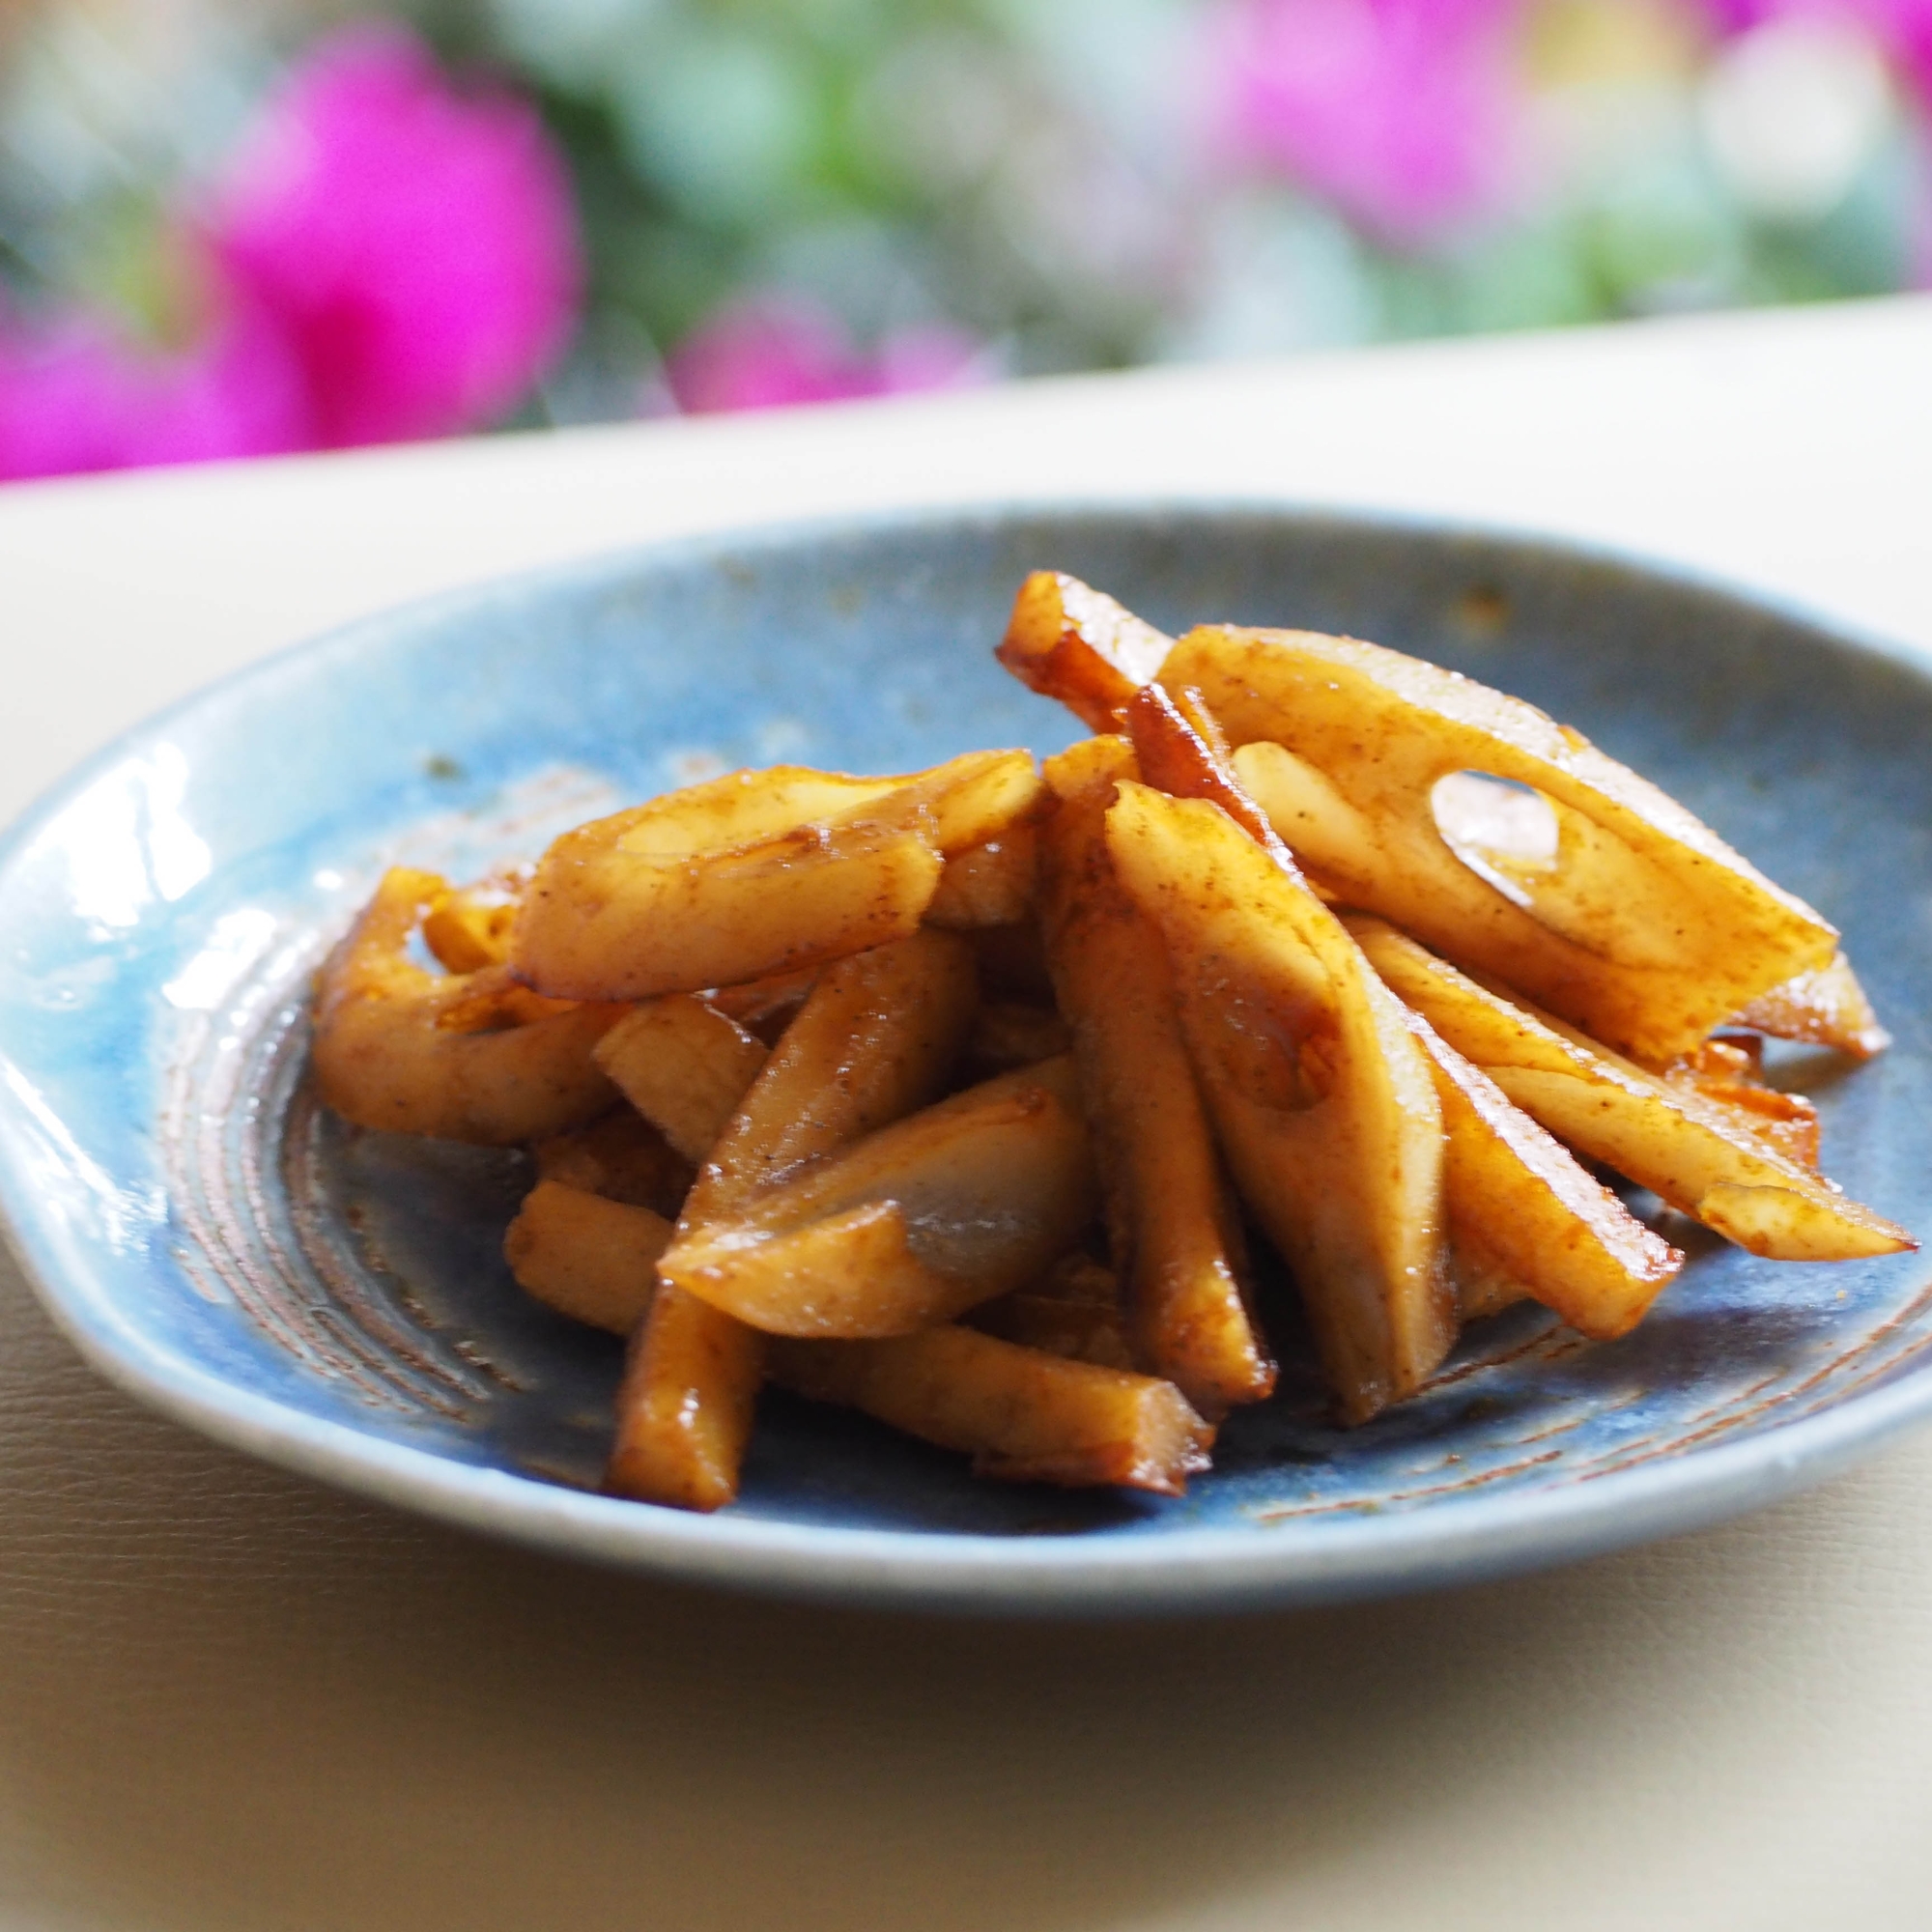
(1172, 1227)
(1069, 642)
(1523, 1217)
(988, 885)
(622, 1156)
(414, 1052)
(1072, 1310)
(1527, 1219)
(1639, 923)
(1021, 1414)
(1828, 1007)
(875, 1038)
(755, 875)
(1183, 753)
(588, 1258)
(1661, 1133)
(684, 1067)
(1728, 1070)
(468, 927)
(911, 1225)
(1320, 1091)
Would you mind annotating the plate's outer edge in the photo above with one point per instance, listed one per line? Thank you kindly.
(1467, 1541)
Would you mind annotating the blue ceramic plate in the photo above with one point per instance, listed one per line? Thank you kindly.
(337, 1302)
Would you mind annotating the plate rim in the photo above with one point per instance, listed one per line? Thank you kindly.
(1463, 1538)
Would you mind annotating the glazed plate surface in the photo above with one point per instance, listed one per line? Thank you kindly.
(337, 1302)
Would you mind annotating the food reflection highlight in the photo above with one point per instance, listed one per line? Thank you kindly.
(1009, 1104)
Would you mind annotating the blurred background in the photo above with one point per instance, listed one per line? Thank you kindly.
(234, 227)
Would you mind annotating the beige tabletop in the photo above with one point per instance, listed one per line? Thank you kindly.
(229, 1699)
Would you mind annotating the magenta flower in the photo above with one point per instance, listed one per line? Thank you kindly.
(419, 247)
(383, 258)
(1400, 112)
(1905, 27)
(773, 352)
(76, 396)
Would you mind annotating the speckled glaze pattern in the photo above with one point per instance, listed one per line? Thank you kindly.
(337, 1302)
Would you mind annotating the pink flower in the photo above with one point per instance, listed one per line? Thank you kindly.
(383, 258)
(419, 249)
(1905, 27)
(1398, 111)
(773, 352)
(75, 395)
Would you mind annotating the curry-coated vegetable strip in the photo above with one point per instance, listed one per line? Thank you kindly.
(629, 926)
(1645, 928)
(686, 1405)
(586, 1257)
(1173, 1230)
(1019, 1413)
(1825, 1008)
(468, 927)
(1520, 1209)
(1021, 1419)
(1069, 642)
(1661, 1135)
(1319, 1093)
(1182, 751)
(755, 874)
(876, 1036)
(1073, 1310)
(1728, 1070)
(987, 885)
(622, 1156)
(684, 1067)
(909, 1226)
(385, 1056)
(1080, 1430)
(1521, 1216)
(971, 801)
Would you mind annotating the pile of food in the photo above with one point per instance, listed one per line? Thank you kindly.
(959, 1096)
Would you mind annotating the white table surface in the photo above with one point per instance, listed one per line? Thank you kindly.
(229, 1699)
